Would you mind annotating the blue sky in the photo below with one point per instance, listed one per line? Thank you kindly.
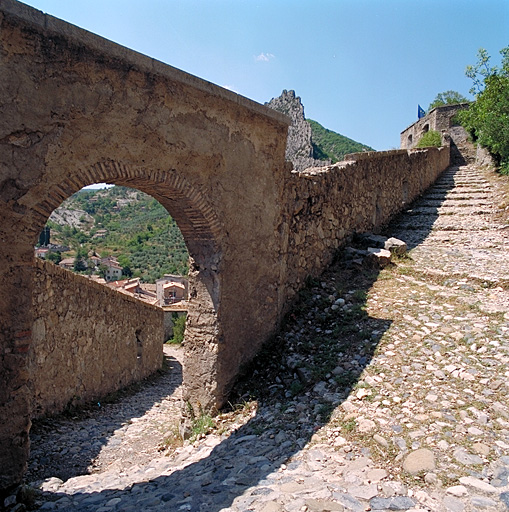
(360, 66)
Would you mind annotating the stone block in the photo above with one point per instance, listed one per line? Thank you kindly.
(396, 246)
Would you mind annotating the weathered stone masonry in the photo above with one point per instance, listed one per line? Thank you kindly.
(439, 119)
(329, 204)
(76, 109)
(87, 339)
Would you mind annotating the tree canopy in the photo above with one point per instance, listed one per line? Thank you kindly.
(447, 98)
(487, 119)
(430, 139)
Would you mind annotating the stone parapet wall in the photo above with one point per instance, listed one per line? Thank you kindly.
(328, 205)
(87, 340)
(86, 336)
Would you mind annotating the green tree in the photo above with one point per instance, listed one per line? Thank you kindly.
(179, 327)
(123, 260)
(126, 271)
(80, 261)
(55, 257)
(447, 98)
(487, 119)
(80, 265)
(430, 139)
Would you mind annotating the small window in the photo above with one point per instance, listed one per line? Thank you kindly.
(425, 128)
(139, 345)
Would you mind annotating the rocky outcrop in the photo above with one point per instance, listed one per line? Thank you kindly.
(299, 148)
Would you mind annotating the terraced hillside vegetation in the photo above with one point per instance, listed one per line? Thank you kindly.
(124, 223)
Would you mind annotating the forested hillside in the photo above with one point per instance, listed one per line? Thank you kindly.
(329, 145)
(124, 223)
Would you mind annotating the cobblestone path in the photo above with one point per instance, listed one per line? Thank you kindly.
(386, 390)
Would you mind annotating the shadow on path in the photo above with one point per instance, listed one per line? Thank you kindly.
(82, 444)
(297, 381)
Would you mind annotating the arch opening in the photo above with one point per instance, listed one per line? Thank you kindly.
(196, 220)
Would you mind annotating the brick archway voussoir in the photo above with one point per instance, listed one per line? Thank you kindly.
(194, 215)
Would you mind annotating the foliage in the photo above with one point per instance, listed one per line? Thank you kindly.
(129, 225)
(80, 264)
(54, 257)
(331, 145)
(487, 119)
(44, 237)
(179, 327)
(482, 70)
(201, 426)
(431, 138)
(127, 272)
(447, 98)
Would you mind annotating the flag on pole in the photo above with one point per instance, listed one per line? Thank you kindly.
(420, 112)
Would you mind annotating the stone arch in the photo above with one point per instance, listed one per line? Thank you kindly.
(201, 229)
(71, 100)
(195, 217)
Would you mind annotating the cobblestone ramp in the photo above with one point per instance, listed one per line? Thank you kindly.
(425, 427)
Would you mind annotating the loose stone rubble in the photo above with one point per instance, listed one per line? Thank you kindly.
(385, 390)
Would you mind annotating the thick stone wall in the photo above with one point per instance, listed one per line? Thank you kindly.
(327, 205)
(78, 322)
(87, 340)
(78, 109)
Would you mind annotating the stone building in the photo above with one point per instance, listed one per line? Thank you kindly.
(439, 119)
(135, 288)
(171, 289)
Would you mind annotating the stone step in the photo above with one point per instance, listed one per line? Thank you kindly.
(461, 188)
(455, 195)
(454, 203)
(471, 183)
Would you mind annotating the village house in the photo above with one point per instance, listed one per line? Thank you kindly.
(171, 289)
(95, 261)
(41, 252)
(113, 271)
(136, 289)
(67, 263)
